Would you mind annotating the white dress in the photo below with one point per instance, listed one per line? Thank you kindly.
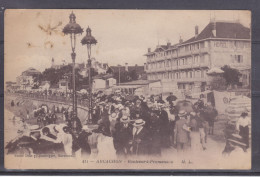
(195, 142)
(105, 147)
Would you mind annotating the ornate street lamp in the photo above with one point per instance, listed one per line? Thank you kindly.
(72, 29)
(89, 40)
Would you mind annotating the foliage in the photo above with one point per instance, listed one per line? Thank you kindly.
(126, 76)
(55, 75)
(133, 75)
(231, 75)
(218, 83)
(109, 71)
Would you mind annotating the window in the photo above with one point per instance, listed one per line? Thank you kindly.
(237, 58)
(173, 75)
(190, 74)
(202, 45)
(168, 63)
(198, 74)
(202, 73)
(202, 59)
(177, 75)
(197, 46)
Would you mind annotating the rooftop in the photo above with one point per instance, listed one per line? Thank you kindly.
(103, 76)
(224, 29)
(31, 71)
(139, 82)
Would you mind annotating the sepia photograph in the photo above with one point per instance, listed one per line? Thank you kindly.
(127, 89)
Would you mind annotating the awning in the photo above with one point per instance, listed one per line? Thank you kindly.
(215, 70)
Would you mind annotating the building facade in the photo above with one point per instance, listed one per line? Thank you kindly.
(26, 80)
(186, 63)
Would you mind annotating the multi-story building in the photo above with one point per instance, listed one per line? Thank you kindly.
(186, 63)
(26, 79)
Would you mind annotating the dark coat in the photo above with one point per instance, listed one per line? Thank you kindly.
(163, 116)
(142, 147)
(82, 141)
(155, 132)
(182, 136)
(123, 135)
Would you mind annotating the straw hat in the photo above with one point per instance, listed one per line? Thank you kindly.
(125, 119)
(113, 115)
(182, 113)
(139, 122)
(34, 127)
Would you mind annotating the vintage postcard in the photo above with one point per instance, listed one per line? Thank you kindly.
(127, 89)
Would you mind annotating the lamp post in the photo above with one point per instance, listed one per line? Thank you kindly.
(72, 29)
(119, 74)
(89, 40)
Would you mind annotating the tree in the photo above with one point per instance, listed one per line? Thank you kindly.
(218, 83)
(109, 71)
(231, 75)
(133, 75)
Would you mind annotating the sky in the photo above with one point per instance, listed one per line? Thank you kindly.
(123, 35)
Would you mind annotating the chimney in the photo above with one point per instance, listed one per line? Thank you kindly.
(149, 50)
(180, 40)
(168, 45)
(196, 31)
(126, 67)
(214, 30)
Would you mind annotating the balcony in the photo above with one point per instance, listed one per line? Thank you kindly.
(180, 67)
(193, 52)
(195, 79)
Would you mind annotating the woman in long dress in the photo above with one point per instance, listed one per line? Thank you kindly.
(105, 145)
(242, 126)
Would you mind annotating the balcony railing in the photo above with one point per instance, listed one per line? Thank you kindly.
(193, 52)
(194, 79)
(175, 67)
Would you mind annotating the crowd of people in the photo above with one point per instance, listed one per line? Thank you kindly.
(143, 127)
(130, 125)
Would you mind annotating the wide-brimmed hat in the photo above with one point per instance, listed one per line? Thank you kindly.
(102, 103)
(34, 127)
(120, 106)
(182, 113)
(85, 127)
(113, 115)
(139, 122)
(66, 129)
(139, 100)
(125, 119)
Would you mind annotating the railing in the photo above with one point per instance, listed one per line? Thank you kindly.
(192, 52)
(194, 79)
(51, 98)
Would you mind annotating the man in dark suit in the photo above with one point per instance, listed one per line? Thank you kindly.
(181, 135)
(123, 135)
(165, 129)
(155, 132)
(140, 138)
